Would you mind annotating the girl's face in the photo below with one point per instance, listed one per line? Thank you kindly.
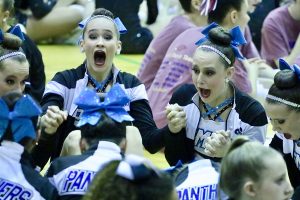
(284, 120)
(13, 75)
(275, 183)
(252, 4)
(209, 76)
(100, 44)
(242, 17)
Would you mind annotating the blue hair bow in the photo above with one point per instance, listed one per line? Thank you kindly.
(113, 104)
(16, 30)
(120, 26)
(284, 65)
(20, 117)
(237, 38)
(136, 168)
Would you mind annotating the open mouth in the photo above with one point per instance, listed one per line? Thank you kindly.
(287, 136)
(99, 57)
(205, 93)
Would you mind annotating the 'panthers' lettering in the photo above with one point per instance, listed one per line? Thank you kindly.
(208, 192)
(13, 191)
(77, 181)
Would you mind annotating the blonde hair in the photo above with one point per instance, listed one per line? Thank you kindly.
(245, 159)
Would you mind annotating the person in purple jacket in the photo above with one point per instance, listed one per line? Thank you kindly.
(160, 44)
(281, 35)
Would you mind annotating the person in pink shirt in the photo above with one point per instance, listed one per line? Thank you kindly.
(281, 35)
(160, 44)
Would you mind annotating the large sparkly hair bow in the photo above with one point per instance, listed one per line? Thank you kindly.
(136, 168)
(113, 105)
(237, 38)
(284, 65)
(207, 6)
(120, 26)
(21, 123)
(16, 30)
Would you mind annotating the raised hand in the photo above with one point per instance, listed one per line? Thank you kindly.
(176, 117)
(53, 118)
(217, 144)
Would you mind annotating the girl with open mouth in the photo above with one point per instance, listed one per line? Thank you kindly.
(282, 106)
(100, 42)
(218, 112)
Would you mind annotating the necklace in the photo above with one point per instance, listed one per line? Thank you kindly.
(218, 110)
(100, 86)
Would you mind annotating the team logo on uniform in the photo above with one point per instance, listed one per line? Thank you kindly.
(200, 139)
(10, 190)
(77, 181)
(208, 192)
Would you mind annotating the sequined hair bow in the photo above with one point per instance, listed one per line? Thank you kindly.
(21, 123)
(113, 105)
(237, 39)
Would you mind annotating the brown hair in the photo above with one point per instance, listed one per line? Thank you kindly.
(286, 86)
(11, 43)
(104, 12)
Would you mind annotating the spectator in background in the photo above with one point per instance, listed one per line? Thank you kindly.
(51, 19)
(281, 35)
(138, 38)
(159, 46)
(36, 78)
(257, 19)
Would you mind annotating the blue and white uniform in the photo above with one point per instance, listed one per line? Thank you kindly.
(18, 179)
(71, 175)
(65, 87)
(199, 180)
(291, 155)
(246, 117)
